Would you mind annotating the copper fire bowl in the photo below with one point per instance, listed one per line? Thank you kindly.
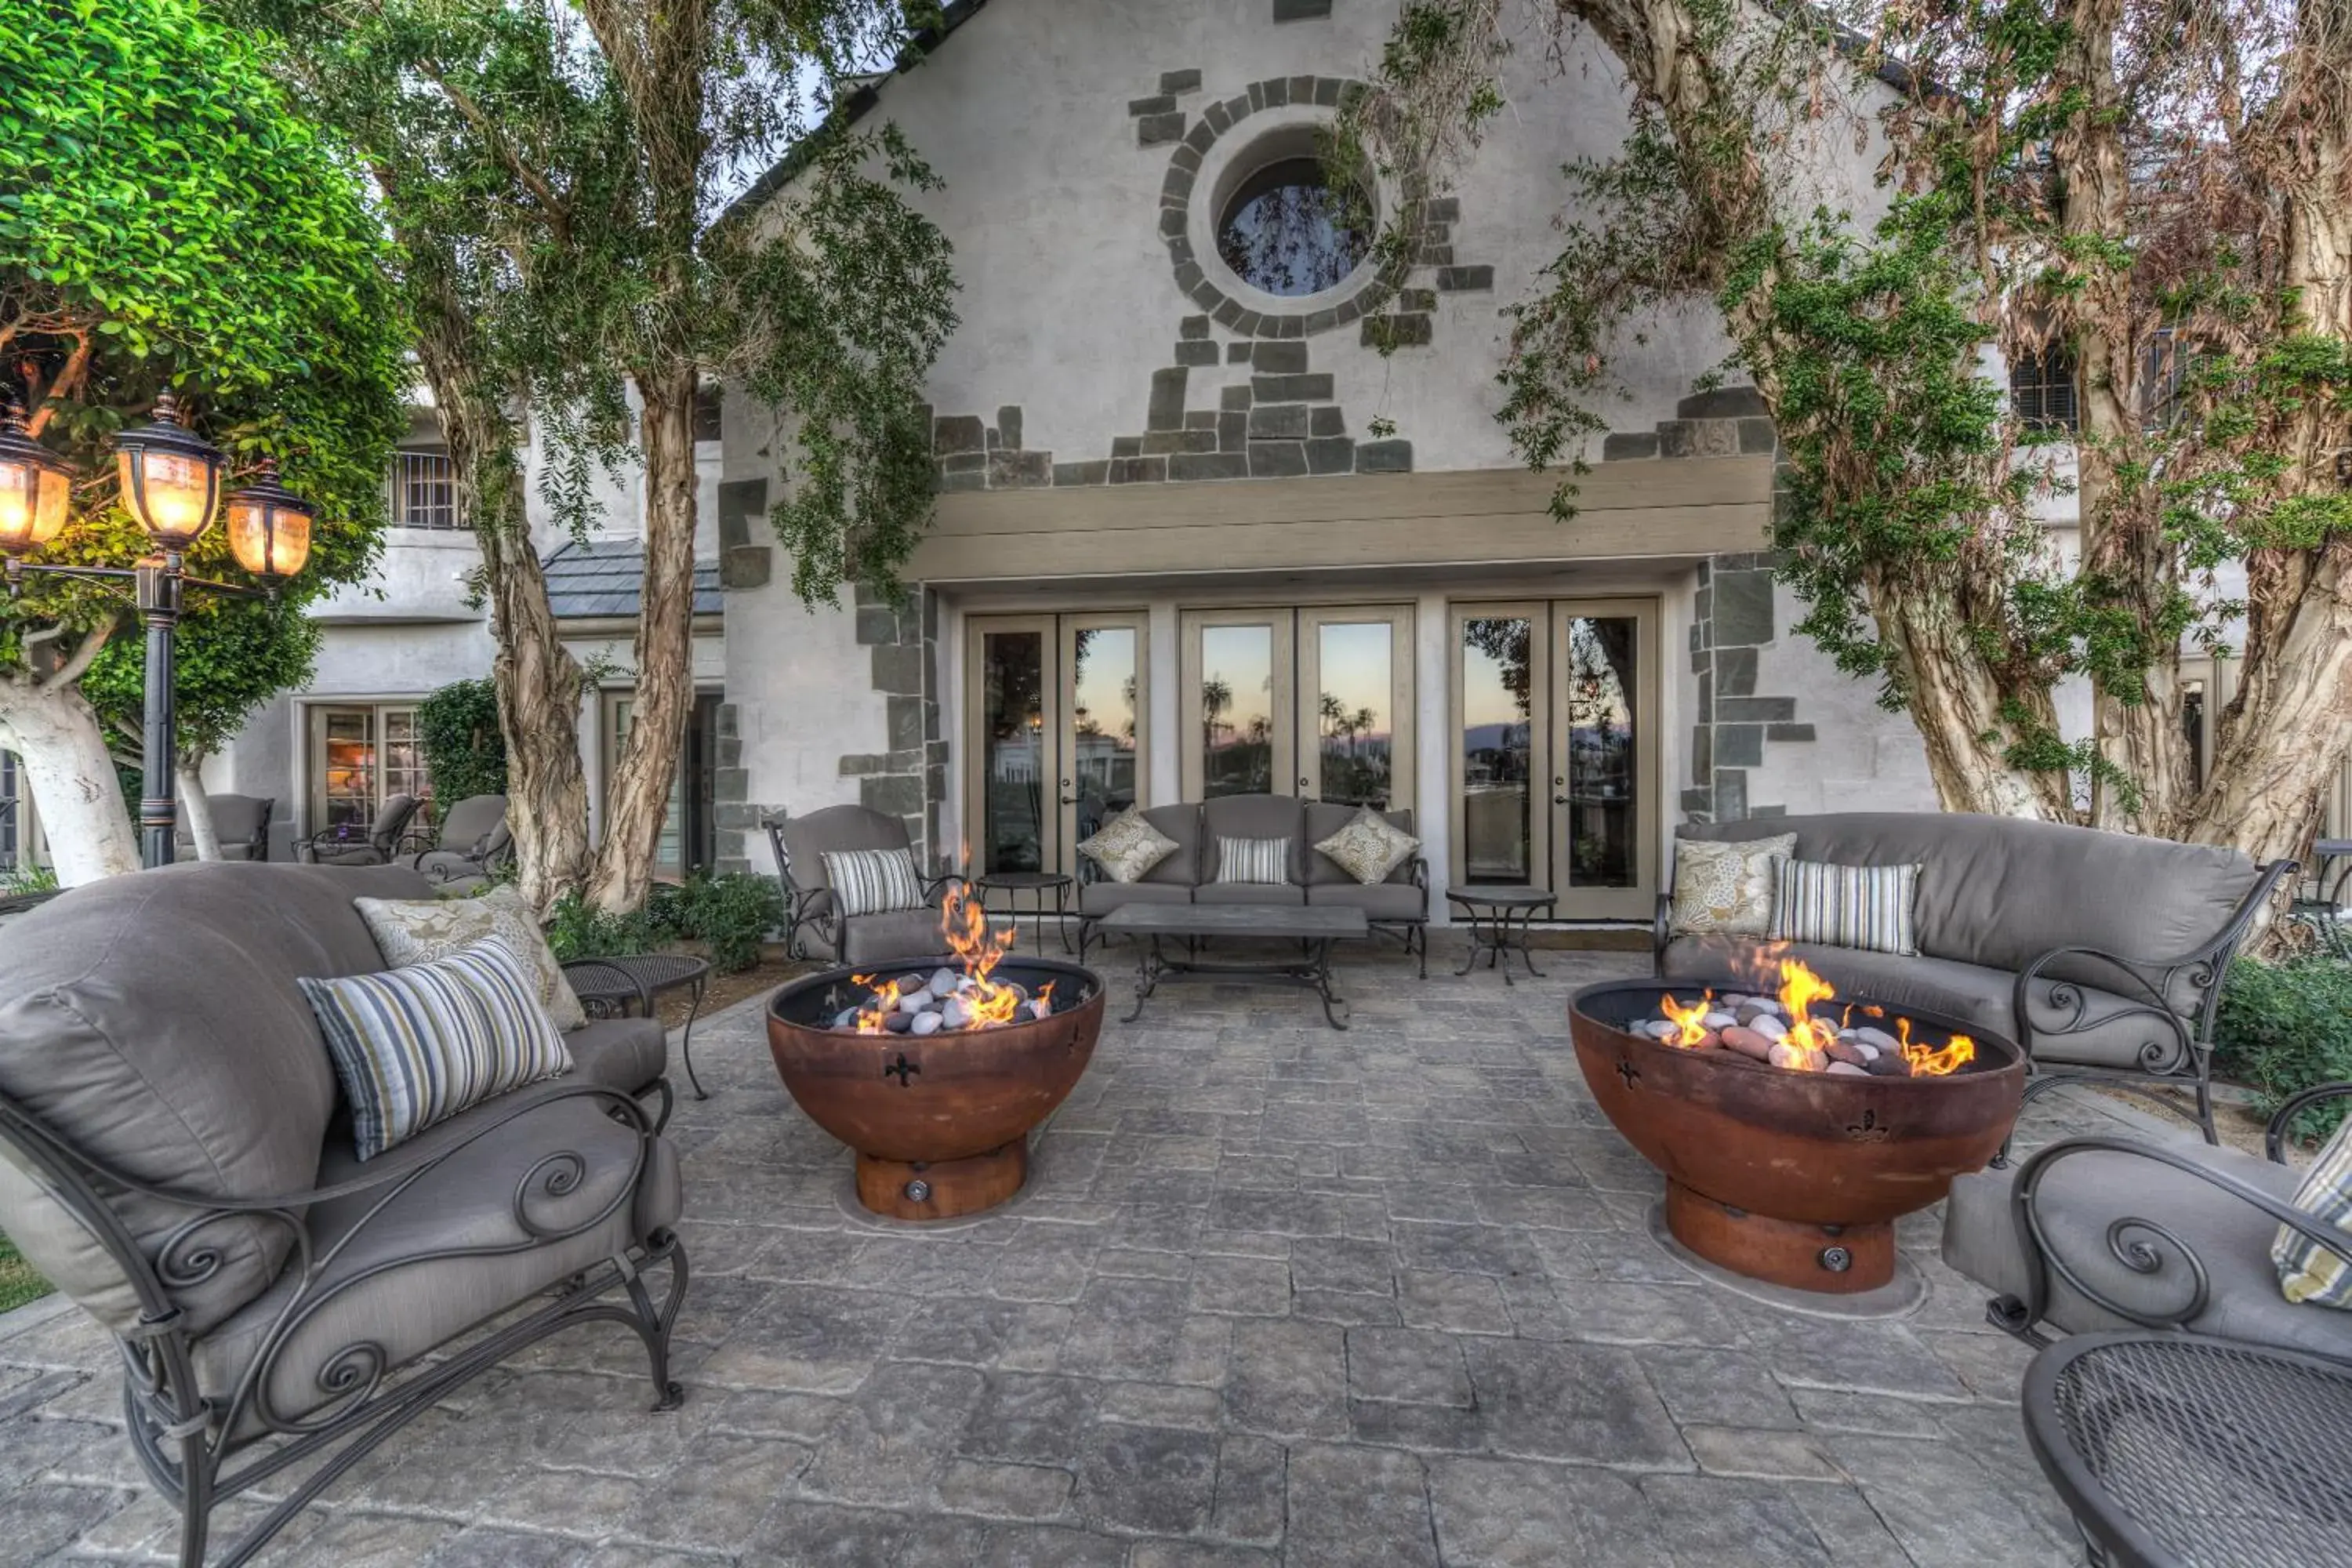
(1831, 1156)
(940, 1121)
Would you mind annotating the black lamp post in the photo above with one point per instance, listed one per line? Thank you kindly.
(171, 482)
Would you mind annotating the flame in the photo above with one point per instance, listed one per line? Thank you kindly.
(1687, 1019)
(884, 1001)
(1808, 1036)
(1927, 1061)
(964, 923)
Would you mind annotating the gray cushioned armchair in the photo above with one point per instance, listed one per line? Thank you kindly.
(378, 844)
(473, 844)
(815, 926)
(174, 1156)
(2091, 1234)
(240, 824)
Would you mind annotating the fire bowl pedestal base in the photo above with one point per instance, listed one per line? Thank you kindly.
(1833, 1260)
(1900, 1298)
(942, 1189)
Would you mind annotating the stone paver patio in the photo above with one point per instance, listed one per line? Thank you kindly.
(1277, 1294)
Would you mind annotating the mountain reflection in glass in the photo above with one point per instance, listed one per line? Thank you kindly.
(1284, 231)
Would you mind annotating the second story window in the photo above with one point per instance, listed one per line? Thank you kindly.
(2041, 390)
(706, 414)
(423, 489)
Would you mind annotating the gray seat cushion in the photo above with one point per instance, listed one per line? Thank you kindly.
(418, 1303)
(1382, 901)
(1096, 899)
(895, 934)
(1324, 819)
(2000, 892)
(1286, 895)
(2085, 1194)
(626, 1054)
(153, 1022)
(2115, 1033)
(1260, 817)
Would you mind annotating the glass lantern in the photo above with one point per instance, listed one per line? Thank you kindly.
(269, 526)
(171, 478)
(36, 487)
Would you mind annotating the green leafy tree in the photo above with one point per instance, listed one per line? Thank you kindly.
(465, 751)
(167, 221)
(2161, 197)
(556, 177)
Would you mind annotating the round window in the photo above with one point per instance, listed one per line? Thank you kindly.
(1286, 230)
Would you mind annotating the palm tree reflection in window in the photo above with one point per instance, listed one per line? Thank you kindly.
(1287, 230)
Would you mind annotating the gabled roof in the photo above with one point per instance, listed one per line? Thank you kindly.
(859, 95)
(605, 576)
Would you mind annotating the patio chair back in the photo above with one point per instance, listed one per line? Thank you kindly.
(805, 841)
(240, 823)
(475, 826)
(391, 821)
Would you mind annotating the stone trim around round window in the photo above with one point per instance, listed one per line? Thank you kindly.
(1281, 108)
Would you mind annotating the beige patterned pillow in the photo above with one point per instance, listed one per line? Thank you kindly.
(410, 931)
(1369, 847)
(1725, 890)
(1127, 847)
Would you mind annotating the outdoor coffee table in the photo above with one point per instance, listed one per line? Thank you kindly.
(1501, 920)
(606, 986)
(2179, 1451)
(1314, 930)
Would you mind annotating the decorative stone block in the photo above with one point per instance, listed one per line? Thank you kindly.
(1008, 424)
(1186, 465)
(1739, 746)
(1164, 442)
(1699, 438)
(1416, 299)
(1137, 470)
(1731, 795)
(1458, 279)
(1278, 359)
(1164, 103)
(1125, 447)
(1331, 454)
(1758, 436)
(876, 624)
(1735, 671)
(1190, 353)
(1331, 420)
(1093, 473)
(1020, 470)
(1383, 457)
(1316, 388)
(1233, 397)
(898, 669)
(1233, 432)
(893, 794)
(1159, 130)
(1759, 710)
(1167, 407)
(1277, 460)
(957, 433)
(1237, 354)
(1628, 446)
(739, 500)
(1179, 81)
(1743, 609)
(1702, 751)
(968, 479)
(1721, 402)
(1788, 732)
(1193, 327)
(745, 566)
(1200, 419)
(1277, 420)
(1409, 330)
(1442, 209)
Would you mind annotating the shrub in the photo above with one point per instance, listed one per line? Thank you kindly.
(578, 928)
(731, 915)
(465, 750)
(2284, 1027)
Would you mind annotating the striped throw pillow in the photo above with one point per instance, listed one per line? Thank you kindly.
(873, 882)
(416, 1046)
(1262, 860)
(2308, 1272)
(1867, 907)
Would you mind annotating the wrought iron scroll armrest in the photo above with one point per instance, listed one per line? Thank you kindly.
(2138, 1242)
(937, 888)
(2282, 1122)
(1089, 871)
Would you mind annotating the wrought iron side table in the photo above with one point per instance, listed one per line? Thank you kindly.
(606, 986)
(1013, 884)
(1500, 921)
(2181, 1451)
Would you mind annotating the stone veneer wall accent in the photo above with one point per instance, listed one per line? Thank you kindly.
(1732, 619)
(908, 780)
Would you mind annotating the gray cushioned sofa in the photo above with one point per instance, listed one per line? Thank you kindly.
(1399, 906)
(2193, 1223)
(176, 1157)
(2100, 953)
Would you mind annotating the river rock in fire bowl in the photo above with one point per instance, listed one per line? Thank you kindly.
(1780, 1166)
(937, 1102)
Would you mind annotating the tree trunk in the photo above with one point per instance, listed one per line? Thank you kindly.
(639, 797)
(1956, 703)
(187, 774)
(69, 772)
(538, 681)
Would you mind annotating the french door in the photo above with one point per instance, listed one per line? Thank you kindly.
(689, 842)
(1054, 720)
(1316, 701)
(360, 757)
(1555, 751)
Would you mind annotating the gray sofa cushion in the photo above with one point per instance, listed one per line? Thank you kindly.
(1181, 823)
(1382, 901)
(153, 1021)
(2085, 1194)
(1323, 819)
(625, 1054)
(2000, 892)
(2117, 1036)
(1254, 816)
(413, 1307)
(1284, 895)
(883, 938)
(1096, 899)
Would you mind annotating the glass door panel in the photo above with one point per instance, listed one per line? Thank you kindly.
(1015, 696)
(1237, 703)
(1356, 741)
(1603, 665)
(346, 771)
(1502, 666)
(1101, 769)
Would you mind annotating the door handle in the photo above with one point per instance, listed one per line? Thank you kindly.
(1560, 800)
(1069, 800)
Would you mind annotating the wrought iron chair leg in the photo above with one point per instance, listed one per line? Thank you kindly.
(195, 1500)
(653, 1325)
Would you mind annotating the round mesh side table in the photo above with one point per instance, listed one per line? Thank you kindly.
(2179, 1451)
(606, 986)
